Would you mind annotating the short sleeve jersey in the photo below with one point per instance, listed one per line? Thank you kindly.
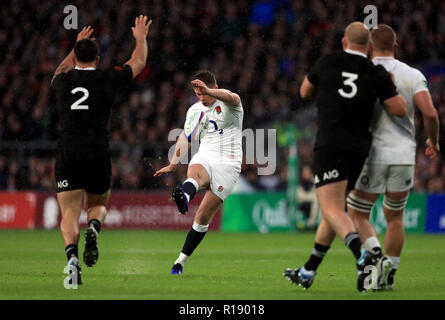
(393, 138)
(348, 84)
(224, 136)
(84, 99)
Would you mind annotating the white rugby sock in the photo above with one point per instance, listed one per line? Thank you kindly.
(182, 259)
(371, 243)
(395, 262)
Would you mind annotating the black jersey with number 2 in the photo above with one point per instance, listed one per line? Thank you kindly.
(348, 86)
(84, 100)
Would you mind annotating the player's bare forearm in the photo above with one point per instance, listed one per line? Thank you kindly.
(425, 104)
(432, 128)
(226, 96)
(66, 65)
(181, 149)
(69, 62)
(138, 58)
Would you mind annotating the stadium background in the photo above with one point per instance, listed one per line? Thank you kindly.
(259, 49)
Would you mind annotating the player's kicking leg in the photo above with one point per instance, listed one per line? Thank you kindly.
(197, 178)
(96, 206)
(70, 203)
(305, 275)
(207, 209)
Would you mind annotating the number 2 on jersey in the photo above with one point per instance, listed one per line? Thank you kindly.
(350, 78)
(77, 105)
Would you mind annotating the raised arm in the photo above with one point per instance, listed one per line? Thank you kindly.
(226, 96)
(138, 58)
(69, 63)
(424, 102)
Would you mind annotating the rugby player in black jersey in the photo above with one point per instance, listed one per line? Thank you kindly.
(84, 97)
(345, 86)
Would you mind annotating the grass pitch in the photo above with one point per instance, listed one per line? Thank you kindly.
(226, 266)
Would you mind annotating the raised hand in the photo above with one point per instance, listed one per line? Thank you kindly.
(200, 85)
(141, 27)
(85, 33)
(168, 169)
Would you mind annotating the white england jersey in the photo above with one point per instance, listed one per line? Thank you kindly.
(224, 136)
(393, 138)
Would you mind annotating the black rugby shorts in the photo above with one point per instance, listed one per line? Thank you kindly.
(334, 164)
(83, 168)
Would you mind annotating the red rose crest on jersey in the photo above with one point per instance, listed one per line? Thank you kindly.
(220, 188)
(218, 109)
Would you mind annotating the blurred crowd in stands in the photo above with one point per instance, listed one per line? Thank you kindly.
(259, 49)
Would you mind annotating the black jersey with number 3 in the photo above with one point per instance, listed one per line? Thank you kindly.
(84, 100)
(348, 85)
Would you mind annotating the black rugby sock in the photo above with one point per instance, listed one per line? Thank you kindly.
(95, 224)
(352, 240)
(192, 240)
(189, 188)
(71, 250)
(318, 253)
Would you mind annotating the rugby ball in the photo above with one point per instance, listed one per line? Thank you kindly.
(196, 125)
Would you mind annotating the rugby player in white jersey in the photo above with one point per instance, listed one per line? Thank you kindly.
(217, 164)
(389, 168)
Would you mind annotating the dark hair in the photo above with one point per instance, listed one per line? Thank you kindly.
(86, 50)
(205, 76)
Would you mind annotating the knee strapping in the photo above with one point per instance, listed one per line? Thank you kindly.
(359, 204)
(394, 205)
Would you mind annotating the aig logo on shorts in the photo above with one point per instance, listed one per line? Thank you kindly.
(62, 184)
(333, 174)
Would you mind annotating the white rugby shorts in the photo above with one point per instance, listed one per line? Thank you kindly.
(223, 173)
(379, 178)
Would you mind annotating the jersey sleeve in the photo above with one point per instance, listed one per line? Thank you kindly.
(419, 82)
(314, 73)
(120, 75)
(385, 86)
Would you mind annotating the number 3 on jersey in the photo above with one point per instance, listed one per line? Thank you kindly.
(350, 78)
(77, 105)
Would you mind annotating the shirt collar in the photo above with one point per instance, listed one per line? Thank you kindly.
(87, 68)
(358, 53)
(383, 58)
